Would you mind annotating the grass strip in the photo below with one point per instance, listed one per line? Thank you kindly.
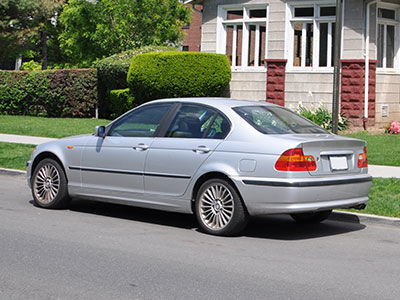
(384, 198)
(15, 156)
(48, 127)
(382, 149)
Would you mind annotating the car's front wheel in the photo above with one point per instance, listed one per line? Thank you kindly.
(219, 209)
(311, 217)
(49, 185)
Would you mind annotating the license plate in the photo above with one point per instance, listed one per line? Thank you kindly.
(338, 163)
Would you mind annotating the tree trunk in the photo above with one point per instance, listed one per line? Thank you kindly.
(44, 49)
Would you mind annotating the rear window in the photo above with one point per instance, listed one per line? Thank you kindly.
(276, 120)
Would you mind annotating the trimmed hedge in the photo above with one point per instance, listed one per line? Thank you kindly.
(120, 102)
(52, 93)
(112, 72)
(178, 74)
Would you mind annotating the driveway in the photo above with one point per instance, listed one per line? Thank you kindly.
(106, 251)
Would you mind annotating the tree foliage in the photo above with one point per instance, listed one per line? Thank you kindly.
(26, 24)
(97, 29)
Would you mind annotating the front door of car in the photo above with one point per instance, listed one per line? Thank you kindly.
(113, 166)
(192, 136)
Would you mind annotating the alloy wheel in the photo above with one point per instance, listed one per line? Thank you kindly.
(47, 184)
(216, 206)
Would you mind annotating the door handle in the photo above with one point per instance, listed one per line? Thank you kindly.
(202, 149)
(141, 147)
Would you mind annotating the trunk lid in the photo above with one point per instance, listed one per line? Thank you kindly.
(334, 155)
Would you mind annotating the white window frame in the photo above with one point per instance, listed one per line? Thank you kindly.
(316, 20)
(245, 22)
(396, 24)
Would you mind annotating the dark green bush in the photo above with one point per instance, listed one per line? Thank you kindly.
(120, 102)
(112, 72)
(52, 93)
(178, 74)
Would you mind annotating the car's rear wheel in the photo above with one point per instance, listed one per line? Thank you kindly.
(311, 217)
(219, 209)
(49, 185)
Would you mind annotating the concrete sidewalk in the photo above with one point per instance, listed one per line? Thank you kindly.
(384, 171)
(23, 139)
(373, 170)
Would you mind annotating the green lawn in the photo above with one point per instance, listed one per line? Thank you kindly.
(384, 198)
(15, 156)
(382, 149)
(48, 127)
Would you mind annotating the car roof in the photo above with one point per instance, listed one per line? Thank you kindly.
(215, 102)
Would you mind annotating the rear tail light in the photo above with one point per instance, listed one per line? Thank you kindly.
(295, 160)
(362, 159)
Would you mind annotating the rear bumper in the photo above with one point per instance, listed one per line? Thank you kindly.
(272, 196)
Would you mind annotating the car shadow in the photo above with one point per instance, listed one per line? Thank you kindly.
(283, 227)
(278, 227)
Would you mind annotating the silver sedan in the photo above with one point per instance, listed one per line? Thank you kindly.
(220, 159)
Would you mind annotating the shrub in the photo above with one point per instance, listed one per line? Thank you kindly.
(120, 102)
(112, 72)
(178, 74)
(322, 117)
(393, 128)
(53, 93)
(30, 66)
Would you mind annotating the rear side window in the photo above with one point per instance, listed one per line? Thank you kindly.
(276, 120)
(198, 121)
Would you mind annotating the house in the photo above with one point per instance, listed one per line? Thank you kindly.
(192, 30)
(281, 51)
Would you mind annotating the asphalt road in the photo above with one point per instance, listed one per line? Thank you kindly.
(104, 251)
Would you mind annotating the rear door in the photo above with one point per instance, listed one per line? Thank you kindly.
(173, 159)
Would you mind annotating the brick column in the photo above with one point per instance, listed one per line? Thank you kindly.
(276, 70)
(352, 91)
(371, 92)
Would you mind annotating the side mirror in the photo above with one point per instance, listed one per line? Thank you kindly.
(100, 131)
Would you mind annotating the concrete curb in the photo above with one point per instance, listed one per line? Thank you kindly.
(12, 172)
(343, 216)
(353, 217)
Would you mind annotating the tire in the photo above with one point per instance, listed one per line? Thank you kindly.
(311, 217)
(49, 185)
(219, 209)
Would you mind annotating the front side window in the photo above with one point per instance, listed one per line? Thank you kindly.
(276, 120)
(386, 42)
(313, 36)
(142, 122)
(244, 35)
(197, 121)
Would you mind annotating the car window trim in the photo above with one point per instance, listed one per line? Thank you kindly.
(167, 120)
(210, 125)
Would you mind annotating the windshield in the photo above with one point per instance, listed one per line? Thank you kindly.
(276, 120)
